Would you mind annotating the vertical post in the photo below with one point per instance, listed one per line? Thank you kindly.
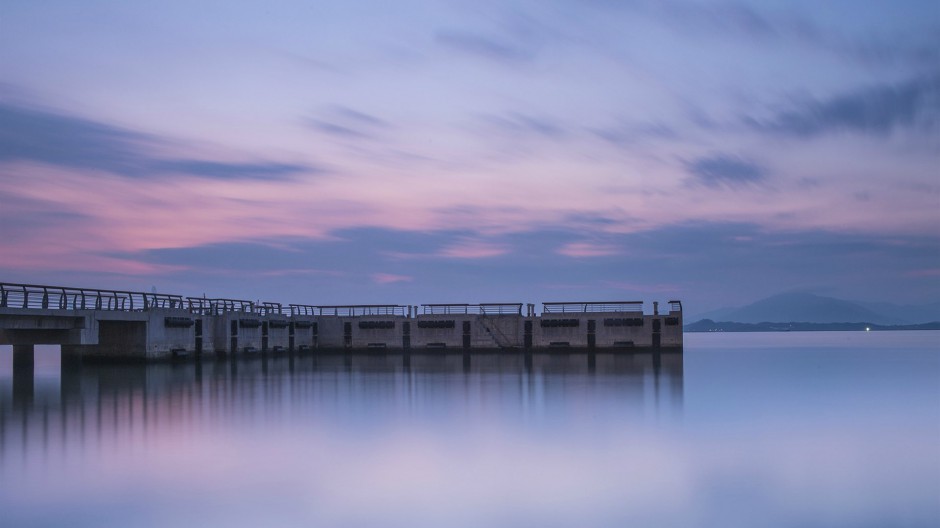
(233, 345)
(197, 335)
(290, 337)
(591, 333)
(466, 334)
(657, 332)
(264, 337)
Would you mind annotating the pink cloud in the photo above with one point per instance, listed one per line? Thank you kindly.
(473, 249)
(588, 249)
(300, 272)
(390, 278)
(66, 260)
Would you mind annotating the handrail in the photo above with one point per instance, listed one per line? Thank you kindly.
(42, 297)
(482, 309)
(592, 307)
(355, 310)
(204, 306)
(34, 296)
(302, 309)
(269, 308)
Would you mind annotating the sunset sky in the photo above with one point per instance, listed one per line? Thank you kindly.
(473, 151)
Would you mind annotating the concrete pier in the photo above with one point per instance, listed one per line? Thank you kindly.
(106, 325)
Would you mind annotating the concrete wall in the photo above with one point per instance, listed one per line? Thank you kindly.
(306, 332)
(277, 329)
(438, 331)
(163, 333)
(374, 331)
(506, 331)
(561, 330)
(364, 331)
(611, 330)
(236, 333)
(330, 331)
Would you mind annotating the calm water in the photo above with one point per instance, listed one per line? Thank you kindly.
(795, 429)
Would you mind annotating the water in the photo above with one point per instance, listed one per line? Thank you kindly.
(789, 429)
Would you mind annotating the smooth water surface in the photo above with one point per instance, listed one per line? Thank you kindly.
(777, 429)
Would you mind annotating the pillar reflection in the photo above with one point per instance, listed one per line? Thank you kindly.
(99, 404)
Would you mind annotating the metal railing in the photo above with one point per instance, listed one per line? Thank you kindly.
(204, 306)
(482, 309)
(302, 309)
(40, 297)
(592, 307)
(269, 308)
(33, 296)
(352, 310)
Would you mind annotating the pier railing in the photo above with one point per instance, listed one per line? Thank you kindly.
(481, 309)
(592, 307)
(351, 310)
(204, 306)
(270, 308)
(302, 309)
(40, 297)
(34, 296)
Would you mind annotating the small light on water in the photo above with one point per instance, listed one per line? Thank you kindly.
(868, 329)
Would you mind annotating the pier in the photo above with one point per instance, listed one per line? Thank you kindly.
(112, 325)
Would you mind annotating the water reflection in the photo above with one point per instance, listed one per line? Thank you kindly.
(84, 403)
(830, 429)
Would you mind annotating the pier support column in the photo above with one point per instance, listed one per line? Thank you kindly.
(23, 375)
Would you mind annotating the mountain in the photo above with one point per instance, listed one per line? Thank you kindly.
(806, 308)
(911, 314)
(707, 325)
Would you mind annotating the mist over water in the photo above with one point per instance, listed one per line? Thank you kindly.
(790, 429)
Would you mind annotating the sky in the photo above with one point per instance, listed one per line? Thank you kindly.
(473, 151)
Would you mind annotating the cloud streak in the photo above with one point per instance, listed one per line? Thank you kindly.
(730, 172)
(876, 111)
(483, 47)
(55, 138)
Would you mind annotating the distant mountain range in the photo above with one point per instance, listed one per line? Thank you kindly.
(809, 308)
(707, 325)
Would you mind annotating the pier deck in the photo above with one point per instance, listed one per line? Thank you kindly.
(111, 325)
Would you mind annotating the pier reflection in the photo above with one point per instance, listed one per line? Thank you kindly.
(95, 404)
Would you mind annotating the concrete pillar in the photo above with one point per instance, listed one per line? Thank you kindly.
(23, 375)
